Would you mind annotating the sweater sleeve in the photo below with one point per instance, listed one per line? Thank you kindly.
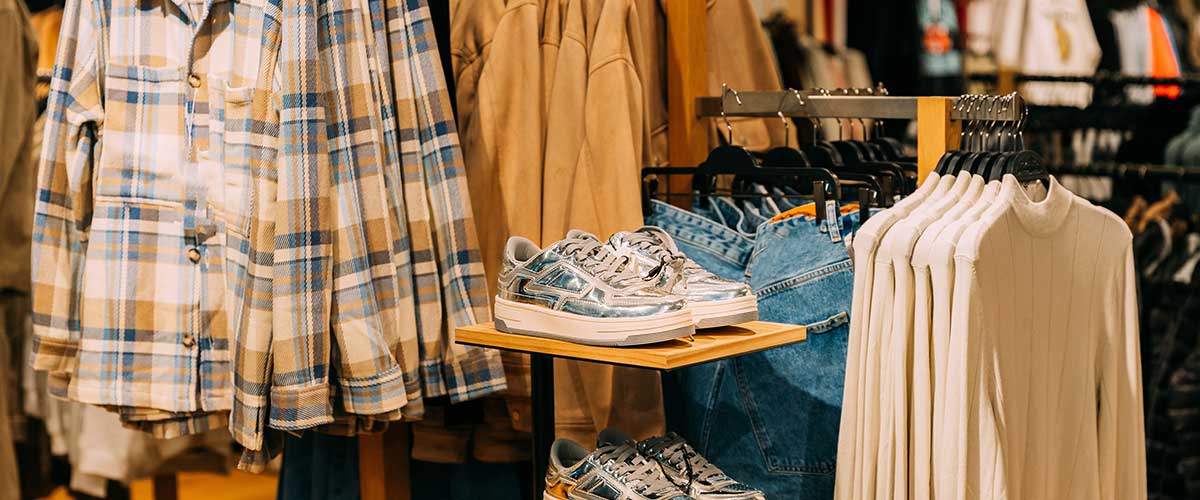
(969, 463)
(1121, 429)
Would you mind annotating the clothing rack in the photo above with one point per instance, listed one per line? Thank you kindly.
(938, 118)
(810, 104)
(1124, 170)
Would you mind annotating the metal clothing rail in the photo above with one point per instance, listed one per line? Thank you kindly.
(805, 104)
(1125, 170)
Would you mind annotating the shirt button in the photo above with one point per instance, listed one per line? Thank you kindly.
(188, 340)
(193, 255)
(194, 80)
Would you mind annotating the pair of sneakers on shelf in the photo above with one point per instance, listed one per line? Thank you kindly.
(636, 288)
(659, 468)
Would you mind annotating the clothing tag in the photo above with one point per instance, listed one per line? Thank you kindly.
(833, 219)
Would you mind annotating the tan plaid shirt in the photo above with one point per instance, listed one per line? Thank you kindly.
(187, 199)
(256, 192)
(140, 212)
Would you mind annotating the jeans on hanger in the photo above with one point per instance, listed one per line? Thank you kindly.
(770, 419)
(728, 213)
(319, 466)
(755, 216)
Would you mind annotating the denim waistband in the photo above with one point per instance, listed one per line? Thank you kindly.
(797, 246)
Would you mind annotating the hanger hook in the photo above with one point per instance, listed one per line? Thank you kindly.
(981, 121)
(972, 126)
(1023, 116)
(838, 119)
(862, 122)
(992, 125)
(728, 127)
(962, 132)
(815, 123)
(786, 126)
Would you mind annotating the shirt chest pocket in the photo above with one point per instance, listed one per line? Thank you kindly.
(145, 140)
(233, 153)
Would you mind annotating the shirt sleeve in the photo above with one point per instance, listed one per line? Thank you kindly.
(1121, 430)
(71, 146)
(302, 265)
(253, 337)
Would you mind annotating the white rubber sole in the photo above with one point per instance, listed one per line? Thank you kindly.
(538, 321)
(718, 313)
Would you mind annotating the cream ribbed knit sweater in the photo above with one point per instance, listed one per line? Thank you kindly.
(1044, 389)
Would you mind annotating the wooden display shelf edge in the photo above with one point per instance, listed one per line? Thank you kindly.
(709, 345)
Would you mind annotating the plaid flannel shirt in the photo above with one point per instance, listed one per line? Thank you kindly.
(447, 266)
(140, 211)
(250, 196)
(330, 342)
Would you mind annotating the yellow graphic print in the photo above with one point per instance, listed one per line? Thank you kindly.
(1064, 40)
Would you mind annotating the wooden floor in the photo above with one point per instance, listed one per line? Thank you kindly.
(197, 486)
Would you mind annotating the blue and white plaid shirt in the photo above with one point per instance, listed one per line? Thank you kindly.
(283, 175)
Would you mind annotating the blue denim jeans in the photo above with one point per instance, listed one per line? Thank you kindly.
(770, 419)
(720, 249)
(318, 466)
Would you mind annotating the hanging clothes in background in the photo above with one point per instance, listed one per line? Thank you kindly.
(1166, 252)
(18, 105)
(804, 63)
(940, 57)
(1164, 59)
(1147, 47)
(1048, 37)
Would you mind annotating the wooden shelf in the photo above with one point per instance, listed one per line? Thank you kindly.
(709, 345)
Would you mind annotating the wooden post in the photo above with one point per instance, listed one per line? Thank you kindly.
(1006, 81)
(687, 79)
(936, 133)
(383, 464)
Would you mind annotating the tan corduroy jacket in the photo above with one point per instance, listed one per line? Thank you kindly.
(18, 162)
(595, 139)
(583, 83)
(740, 55)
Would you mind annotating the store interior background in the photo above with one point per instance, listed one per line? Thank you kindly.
(911, 48)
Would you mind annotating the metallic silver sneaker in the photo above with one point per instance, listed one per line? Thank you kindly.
(614, 472)
(580, 291)
(686, 469)
(714, 301)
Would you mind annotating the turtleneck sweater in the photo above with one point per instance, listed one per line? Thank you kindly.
(1043, 376)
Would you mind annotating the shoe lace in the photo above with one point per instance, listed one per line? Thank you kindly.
(629, 467)
(654, 246)
(598, 259)
(680, 455)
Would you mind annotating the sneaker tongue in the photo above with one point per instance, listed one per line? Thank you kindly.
(661, 236)
(612, 436)
(579, 234)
